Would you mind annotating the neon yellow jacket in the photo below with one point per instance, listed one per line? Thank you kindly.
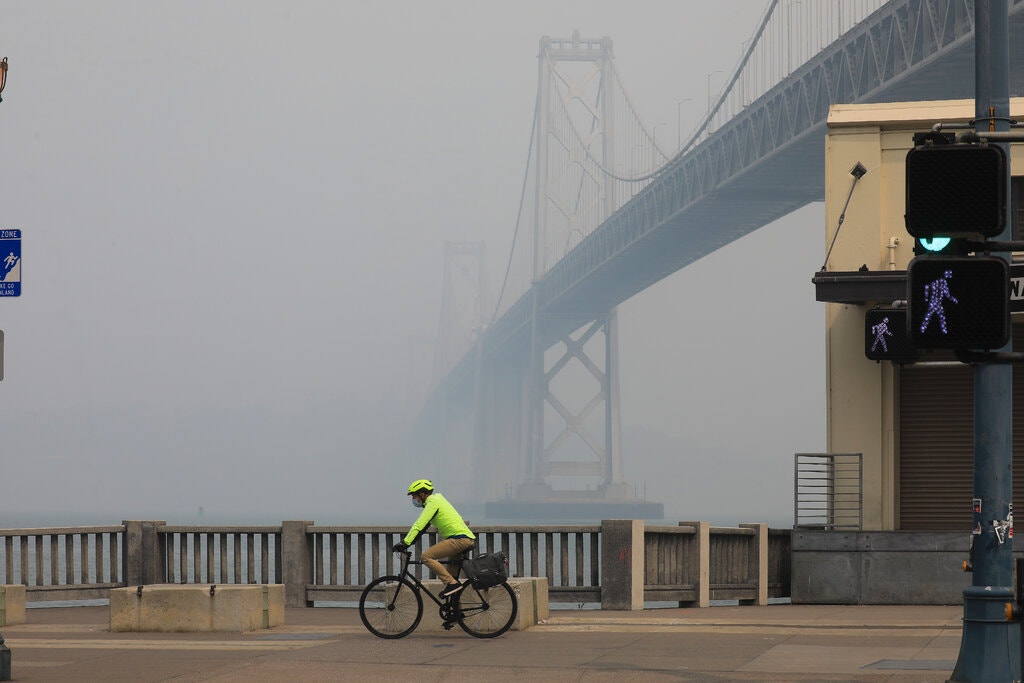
(445, 518)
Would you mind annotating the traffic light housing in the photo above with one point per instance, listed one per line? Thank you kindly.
(944, 246)
(887, 336)
(958, 302)
(956, 190)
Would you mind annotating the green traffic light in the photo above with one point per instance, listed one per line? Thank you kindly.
(934, 243)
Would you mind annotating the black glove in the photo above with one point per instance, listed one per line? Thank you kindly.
(400, 547)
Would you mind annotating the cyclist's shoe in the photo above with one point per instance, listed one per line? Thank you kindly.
(451, 589)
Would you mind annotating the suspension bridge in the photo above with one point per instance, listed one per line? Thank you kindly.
(606, 212)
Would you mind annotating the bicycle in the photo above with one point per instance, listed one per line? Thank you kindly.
(391, 606)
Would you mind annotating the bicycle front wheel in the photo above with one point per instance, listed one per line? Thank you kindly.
(487, 612)
(390, 607)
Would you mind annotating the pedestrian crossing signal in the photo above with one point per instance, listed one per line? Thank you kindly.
(955, 190)
(886, 336)
(958, 302)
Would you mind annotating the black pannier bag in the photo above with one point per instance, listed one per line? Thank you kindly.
(486, 570)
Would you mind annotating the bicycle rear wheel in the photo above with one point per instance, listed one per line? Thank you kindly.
(390, 607)
(487, 612)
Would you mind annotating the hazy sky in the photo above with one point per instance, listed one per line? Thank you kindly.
(234, 218)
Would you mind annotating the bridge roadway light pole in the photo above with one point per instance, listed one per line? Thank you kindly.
(716, 71)
(654, 141)
(679, 120)
(990, 643)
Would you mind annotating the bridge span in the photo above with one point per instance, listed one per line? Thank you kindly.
(763, 163)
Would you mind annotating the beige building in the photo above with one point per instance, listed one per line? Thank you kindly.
(913, 423)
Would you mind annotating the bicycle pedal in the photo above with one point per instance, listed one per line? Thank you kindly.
(448, 626)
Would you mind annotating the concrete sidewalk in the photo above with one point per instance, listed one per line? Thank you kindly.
(773, 643)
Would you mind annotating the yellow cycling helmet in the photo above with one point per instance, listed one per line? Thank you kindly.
(420, 485)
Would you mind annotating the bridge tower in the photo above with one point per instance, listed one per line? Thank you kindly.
(463, 302)
(571, 389)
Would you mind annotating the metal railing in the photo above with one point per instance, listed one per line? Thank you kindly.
(828, 491)
(687, 564)
(346, 558)
(63, 563)
(228, 555)
(570, 557)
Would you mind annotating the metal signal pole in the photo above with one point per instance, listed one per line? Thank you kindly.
(990, 642)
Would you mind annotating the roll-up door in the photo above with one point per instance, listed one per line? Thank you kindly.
(936, 462)
(936, 445)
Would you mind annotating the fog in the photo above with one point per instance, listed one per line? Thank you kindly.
(234, 217)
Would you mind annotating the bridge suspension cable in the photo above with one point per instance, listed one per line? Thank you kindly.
(519, 216)
(788, 36)
(600, 153)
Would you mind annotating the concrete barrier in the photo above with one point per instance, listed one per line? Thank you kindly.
(12, 605)
(878, 567)
(531, 594)
(173, 608)
(537, 586)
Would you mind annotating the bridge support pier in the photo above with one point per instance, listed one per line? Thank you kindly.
(580, 468)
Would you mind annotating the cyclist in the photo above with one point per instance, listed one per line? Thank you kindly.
(456, 537)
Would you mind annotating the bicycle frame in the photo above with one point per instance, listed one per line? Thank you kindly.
(448, 615)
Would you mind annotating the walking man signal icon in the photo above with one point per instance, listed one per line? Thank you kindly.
(935, 293)
(881, 331)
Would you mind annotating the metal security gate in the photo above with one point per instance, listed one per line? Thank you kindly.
(936, 454)
(936, 445)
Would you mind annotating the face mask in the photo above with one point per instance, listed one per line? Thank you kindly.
(416, 503)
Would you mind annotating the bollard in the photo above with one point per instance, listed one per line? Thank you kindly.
(5, 661)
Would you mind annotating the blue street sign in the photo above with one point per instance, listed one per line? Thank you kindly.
(10, 262)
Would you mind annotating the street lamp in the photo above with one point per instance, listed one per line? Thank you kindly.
(679, 120)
